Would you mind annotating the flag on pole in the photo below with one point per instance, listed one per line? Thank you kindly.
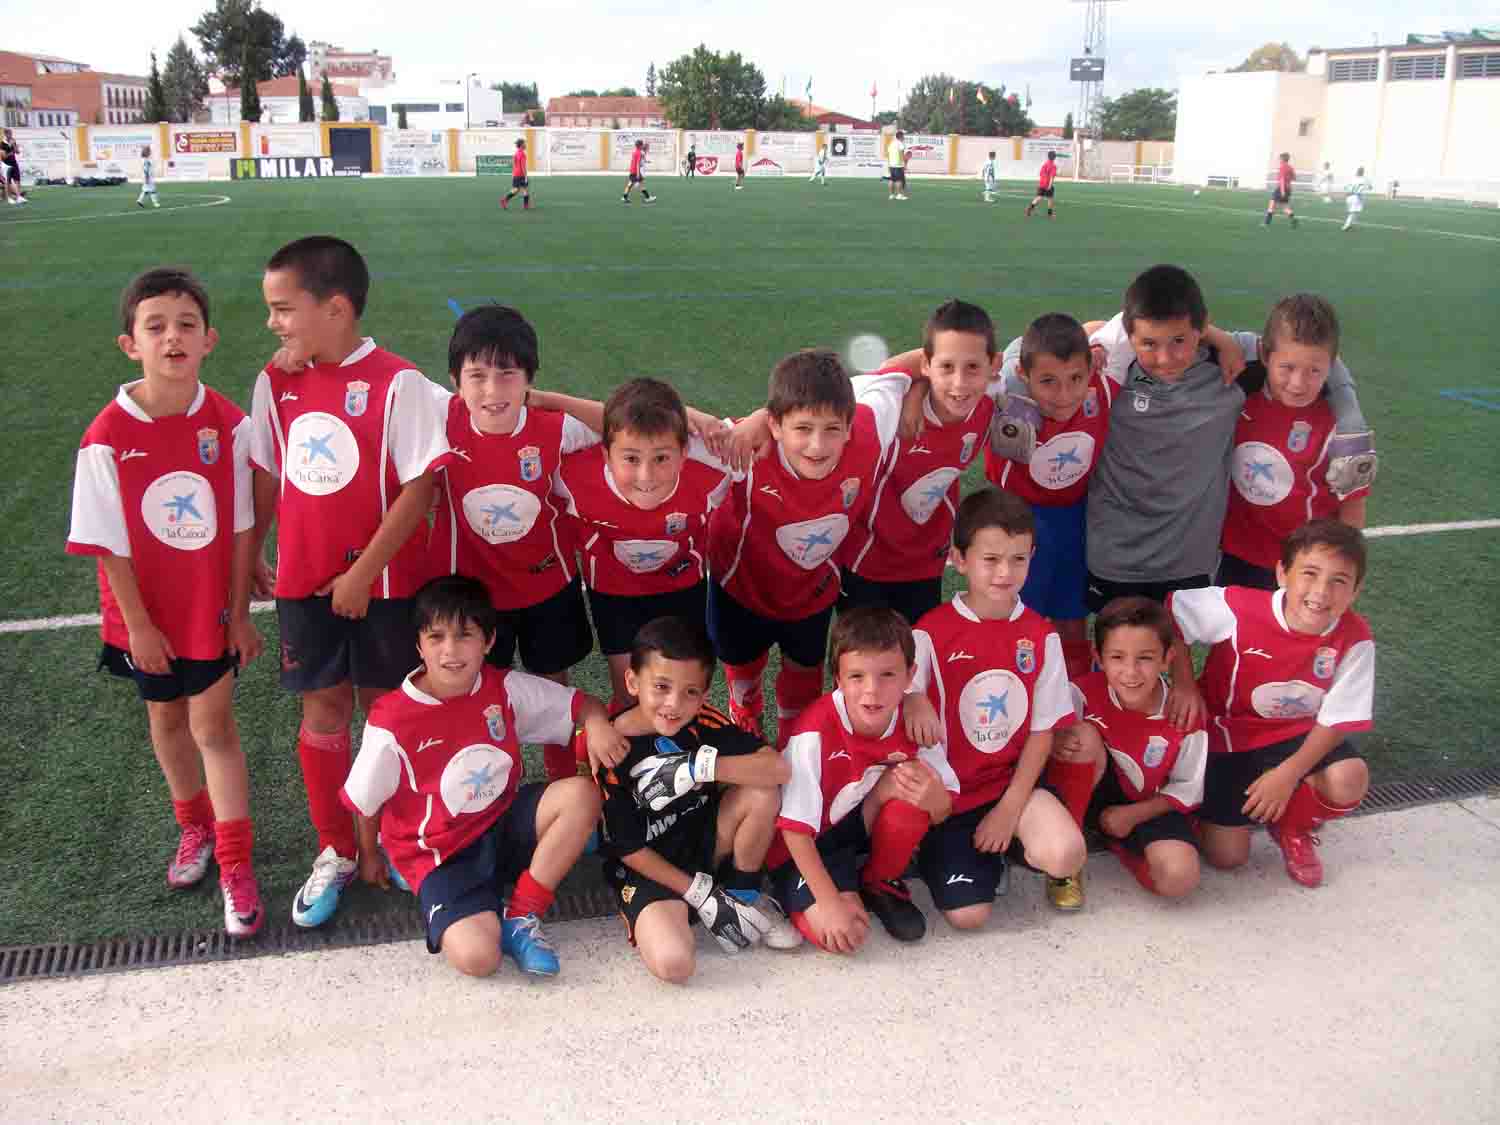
(1028, 95)
(873, 91)
(980, 94)
(809, 89)
(952, 94)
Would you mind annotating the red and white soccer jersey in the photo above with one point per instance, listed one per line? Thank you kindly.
(1149, 755)
(636, 156)
(496, 518)
(994, 684)
(631, 551)
(1066, 453)
(518, 165)
(343, 439)
(772, 542)
(440, 772)
(156, 491)
(1277, 467)
(1046, 175)
(1264, 683)
(834, 769)
(910, 526)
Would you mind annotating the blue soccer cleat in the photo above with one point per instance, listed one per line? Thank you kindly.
(522, 940)
(319, 896)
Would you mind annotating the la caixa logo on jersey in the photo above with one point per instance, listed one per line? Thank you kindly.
(290, 168)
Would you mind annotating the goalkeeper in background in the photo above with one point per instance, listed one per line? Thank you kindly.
(690, 812)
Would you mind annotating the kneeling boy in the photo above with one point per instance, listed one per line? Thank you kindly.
(440, 765)
(859, 787)
(694, 795)
(1289, 675)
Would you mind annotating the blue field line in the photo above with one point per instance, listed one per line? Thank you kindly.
(1486, 397)
(455, 308)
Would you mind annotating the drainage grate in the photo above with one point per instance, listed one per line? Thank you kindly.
(583, 895)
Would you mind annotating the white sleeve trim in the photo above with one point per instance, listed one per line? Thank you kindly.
(376, 773)
(1351, 696)
(1052, 700)
(802, 795)
(1203, 615)
(576, 436)
(263, 427)
(1117, 350)
(543, 709)
(98, 507)
(937, 758)
(419, 433)
(1184, 785)
(244, 482)
(883, 393)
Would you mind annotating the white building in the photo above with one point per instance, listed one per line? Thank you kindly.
(280, 102)
(1418, 113)
(435, 104)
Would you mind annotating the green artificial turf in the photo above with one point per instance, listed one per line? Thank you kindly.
(707, 289)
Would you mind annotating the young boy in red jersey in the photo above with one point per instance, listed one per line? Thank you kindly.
(1281, 445)
(739, 166)
(519, 182)
(773, 543)
(1044, 187)
(1289, 676)
(439, 769)
(347, 439)
(640, 502)
(898, 553)
(695, 795)
(496, 517)
(859, 787)
(1156, 771)
(1286, 175)
(637, 175)
(162, 498)
(990, 678)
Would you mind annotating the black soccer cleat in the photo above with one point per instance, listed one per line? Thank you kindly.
(891, 902)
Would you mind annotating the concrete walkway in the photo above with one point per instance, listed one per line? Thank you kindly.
(1375, 998)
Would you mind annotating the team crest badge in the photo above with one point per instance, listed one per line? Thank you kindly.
(208, 445)
(1296, 441)
(1091, 404)
(1142, 403)
(1156, 751)
(676, 523)
(531, 462)
(1025, 656)
(356, 398)
(494, 721)
(1323, 661)
(849, 489)
(967, 450)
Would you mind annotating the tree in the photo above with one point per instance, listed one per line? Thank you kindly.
(582, 94)
(940, 103)
(887, 117)
(516, 96)
(620, 92)
(707, 90)
(777, 115)
(1068, 127)
(224, 31)
(400, 116)
(651, 80)
(1146, 114)
(1272, 56)
(156, 108)
(330, 103)
(305, 111)
(184, 83)
(249, 95)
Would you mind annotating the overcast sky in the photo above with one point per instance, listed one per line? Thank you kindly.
(844, 46)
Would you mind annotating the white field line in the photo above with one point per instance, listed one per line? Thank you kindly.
(213, 201)
(1389, 531)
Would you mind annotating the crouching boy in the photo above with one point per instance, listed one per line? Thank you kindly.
(440, 766)
(690, 812)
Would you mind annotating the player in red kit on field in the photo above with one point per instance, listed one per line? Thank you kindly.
(1044, 187)
(518, 180)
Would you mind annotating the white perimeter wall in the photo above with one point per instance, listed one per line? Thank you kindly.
(1474, 130)
(1224, 127)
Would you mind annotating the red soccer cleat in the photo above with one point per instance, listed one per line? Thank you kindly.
(505, 204)
(1300, 851)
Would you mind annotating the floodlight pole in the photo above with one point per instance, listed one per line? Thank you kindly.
(1089, 97)
(468, 85)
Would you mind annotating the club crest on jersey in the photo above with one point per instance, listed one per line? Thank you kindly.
(1156, 751)
(208, 445)
(1142, 403)
(494, 721)
(1025, 656)
(356, 398)
(1296, 441)
(676, 523)
(1323, 662)
(967, 449)
(531, 462)
(1091, 404)
(849, 490)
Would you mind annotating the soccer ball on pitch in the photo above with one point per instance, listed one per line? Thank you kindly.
(1197, 191)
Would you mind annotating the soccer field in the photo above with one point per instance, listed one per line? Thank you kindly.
(706, 289)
